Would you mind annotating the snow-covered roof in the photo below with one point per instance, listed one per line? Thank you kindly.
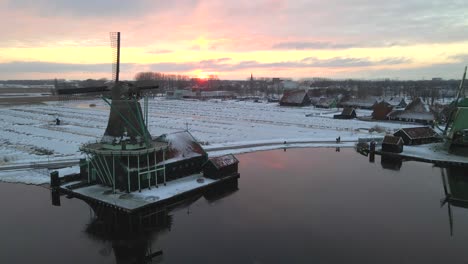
(394, 101)
(293, 97)
(383, 103)
(224, 161)
(348, 111)
(419, 132)
(418, 105)
(181, 145)
(403, 114)
(417, 110)
(392, 140)
(361, 102)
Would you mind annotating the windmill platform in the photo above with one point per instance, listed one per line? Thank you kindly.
(133, 202)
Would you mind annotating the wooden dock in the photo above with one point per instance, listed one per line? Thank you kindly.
(426, 159)
(136, 202)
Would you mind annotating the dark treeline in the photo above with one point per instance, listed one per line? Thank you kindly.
(167, 81)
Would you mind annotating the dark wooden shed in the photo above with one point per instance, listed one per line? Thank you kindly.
(219, 167)
(381, 110)
(347, 113)
(392, 144)
(418, 135)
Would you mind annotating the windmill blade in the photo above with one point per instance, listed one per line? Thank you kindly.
(82, 90)
(461, 90)
(148, 87)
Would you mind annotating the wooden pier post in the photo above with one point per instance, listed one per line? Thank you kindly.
(372, 151)
(55, 193)
(54, 179)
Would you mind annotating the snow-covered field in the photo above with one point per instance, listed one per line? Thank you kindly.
(29, 134)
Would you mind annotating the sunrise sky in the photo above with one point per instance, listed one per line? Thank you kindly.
(410, 39)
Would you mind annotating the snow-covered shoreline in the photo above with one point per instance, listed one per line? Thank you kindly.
(29, 135)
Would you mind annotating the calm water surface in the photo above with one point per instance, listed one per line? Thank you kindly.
(298, 206)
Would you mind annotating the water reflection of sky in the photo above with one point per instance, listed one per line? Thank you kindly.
(298, 206)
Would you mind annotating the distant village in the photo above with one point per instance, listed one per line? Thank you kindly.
(423, 101)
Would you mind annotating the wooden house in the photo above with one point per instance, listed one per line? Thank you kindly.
(347, 113)
(219, 167)
(326, 103)
(381, 110)
(418, 135)
(295, 98)
(314, 100)
(392, 144)
(417, 111)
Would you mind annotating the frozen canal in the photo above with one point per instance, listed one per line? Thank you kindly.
(294, 206)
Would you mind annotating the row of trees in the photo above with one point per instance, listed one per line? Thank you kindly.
(163, 80)
(176, 81)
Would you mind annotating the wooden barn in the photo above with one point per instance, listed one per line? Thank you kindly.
(381, 110)
(418, 135)
(392, 144)
(219, 167)
(417, 111)
(347, 113)
(295, 98)
(326, 103)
